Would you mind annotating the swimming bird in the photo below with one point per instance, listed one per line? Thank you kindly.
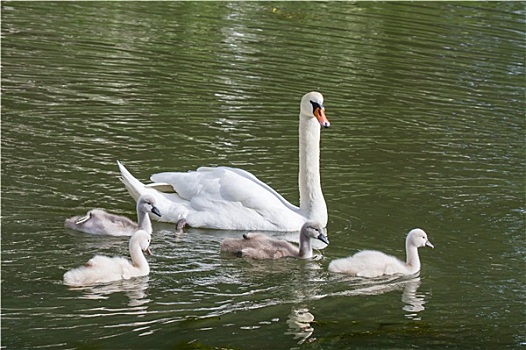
(234, 199)
(100, 222)
(372, 263)
(261, 246)
(102, 269)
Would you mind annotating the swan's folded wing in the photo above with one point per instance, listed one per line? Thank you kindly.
(223, 184)
(161, 187)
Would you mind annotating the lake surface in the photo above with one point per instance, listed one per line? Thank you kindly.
(426, 102)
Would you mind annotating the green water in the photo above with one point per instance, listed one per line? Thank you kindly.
(426, 103)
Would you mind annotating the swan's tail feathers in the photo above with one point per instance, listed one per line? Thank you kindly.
(134, 186)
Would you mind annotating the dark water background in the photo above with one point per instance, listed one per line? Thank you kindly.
(426, 101)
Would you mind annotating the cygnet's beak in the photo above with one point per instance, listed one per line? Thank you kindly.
(156, 211)
(323, 238)
(429, 244)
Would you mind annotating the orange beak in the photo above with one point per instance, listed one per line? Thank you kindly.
(319, 113)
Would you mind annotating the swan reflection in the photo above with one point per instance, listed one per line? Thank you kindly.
(414, 301)
(135, 289)
(299, 324)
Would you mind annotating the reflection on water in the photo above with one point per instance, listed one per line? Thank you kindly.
(414, 301)
(299, 323)
(135, 289)
(300, 320)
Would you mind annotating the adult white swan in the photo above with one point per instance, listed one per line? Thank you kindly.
(234, 199)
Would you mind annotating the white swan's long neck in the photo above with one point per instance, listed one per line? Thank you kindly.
(138, 259)
(412, 260)
(143, 220)
(305, 247)
(312, 203)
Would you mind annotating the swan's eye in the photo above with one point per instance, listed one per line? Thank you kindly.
(315, 105)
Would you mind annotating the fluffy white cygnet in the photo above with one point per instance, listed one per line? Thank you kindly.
(100, 222)
(372, 263)
(103, 269)
(261, 246)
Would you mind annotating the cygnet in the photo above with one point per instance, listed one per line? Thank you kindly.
(103, 269)
(100, 222)
(372, 263)
(261, 246)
